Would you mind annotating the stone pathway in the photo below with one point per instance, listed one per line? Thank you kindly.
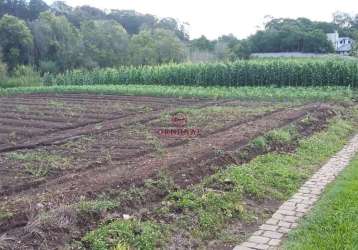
(270, 234)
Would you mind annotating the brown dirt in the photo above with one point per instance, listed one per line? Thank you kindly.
(108, 143)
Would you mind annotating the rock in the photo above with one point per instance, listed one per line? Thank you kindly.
(127, 217)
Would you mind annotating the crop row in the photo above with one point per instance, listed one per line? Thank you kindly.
(278, 72)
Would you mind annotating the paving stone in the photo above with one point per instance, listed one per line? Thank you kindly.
(258, 232)
(268, 227)
(249, 244)
(274, 242)
(273, 235)
(286, 212)
(258, 239)
(290, 219)
(302, 210)
(277, 216)
(242, 248)
(284, 230)
(284, 224)
(262, 246)
(272, 221)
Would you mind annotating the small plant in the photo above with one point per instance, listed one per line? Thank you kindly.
(259, 144)
(280, 136)
(132, 234)
(39, 164)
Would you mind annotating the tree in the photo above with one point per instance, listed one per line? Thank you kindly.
(106, 42)
(35, 8)
(57, 40)
(142, 49)
(169, 48)
(291, 35)
(23, 9)
(174, 26)
(242, 50)
(202, 44)
(85, 13)
(16, 41)
(156, 47)
(133, 21)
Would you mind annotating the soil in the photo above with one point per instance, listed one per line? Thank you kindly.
(94, 144)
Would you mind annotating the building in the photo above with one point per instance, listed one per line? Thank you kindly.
(342, 45)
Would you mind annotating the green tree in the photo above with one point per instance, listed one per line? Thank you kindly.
(202, 43)
(156, 47)
(57, 40)
(133, 21)
(242, 50)
(16, 41)
(142, 49)
(106, 42)
(168, 46)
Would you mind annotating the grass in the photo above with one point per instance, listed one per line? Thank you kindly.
(205, 209)
(243, 93)
(39, 164)
(125, 234)
(333, 223)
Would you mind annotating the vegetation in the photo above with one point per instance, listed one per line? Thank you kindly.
(242, 93)
(279, 72)
(21, 76)
(125, 234)
(15, 41)
(206, 208)
(333, 223)
(59, 37)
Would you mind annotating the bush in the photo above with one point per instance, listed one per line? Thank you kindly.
(22, 76)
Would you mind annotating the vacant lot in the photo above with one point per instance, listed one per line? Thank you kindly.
(64, 149)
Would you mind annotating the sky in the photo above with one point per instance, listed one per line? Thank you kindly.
(214, 18)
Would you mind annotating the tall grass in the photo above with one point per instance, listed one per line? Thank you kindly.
(278, 72)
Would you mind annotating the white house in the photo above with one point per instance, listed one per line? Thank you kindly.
(342, 45)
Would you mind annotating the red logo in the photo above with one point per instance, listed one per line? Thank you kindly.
(179, 120)
(180, 130)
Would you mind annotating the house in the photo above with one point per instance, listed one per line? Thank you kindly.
(342, 45)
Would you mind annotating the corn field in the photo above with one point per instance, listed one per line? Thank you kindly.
(272, 72)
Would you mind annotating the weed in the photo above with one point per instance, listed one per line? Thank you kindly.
(259, 144)
(39, 164)
(125, 233)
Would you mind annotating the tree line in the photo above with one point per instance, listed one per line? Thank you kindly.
(59, 37)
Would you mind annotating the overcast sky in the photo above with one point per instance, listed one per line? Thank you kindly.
(213, 18)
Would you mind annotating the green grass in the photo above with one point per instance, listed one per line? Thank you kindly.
(333, 223)
(125, 233)
(39, 164)
(243, 93)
